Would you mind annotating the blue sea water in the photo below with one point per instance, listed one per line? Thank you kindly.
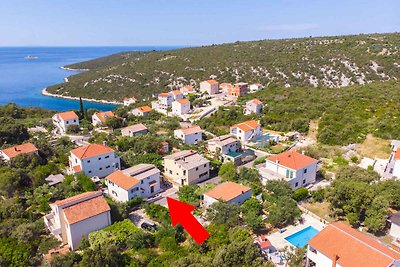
(21, 80)
(301, 238)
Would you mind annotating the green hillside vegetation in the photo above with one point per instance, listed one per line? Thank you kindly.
(321, 62)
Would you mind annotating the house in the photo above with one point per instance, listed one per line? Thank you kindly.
(222, 145)
(134, 130)
(99, 118)
(253, 106)
(94, 160)
(186, 167)
(176, 94)
(164, 147)
(296, 168)
(239, 89)
(141, 111)
(393, 166)
(129, 101)
(210, 86)
(394, 220)
(188, 89)
(264, 244)
(11, 152)
(181, 107)
(142, 180)
(75, 217)
(256, 87)
(246, 131)
(340, 245)
(54, 179)
(64, 119)
(228, 192)
(226, 87)
(165, 100)
(190, 135)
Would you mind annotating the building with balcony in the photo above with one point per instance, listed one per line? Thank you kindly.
(246, 131)
(64, 119)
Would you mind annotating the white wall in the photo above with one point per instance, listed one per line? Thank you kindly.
(191, 176)
(100, 166)
(396, 168)
(189, 139)
(239, 200)
(395, 230)
(180, 109)
(211, 89)
(243, 136)
(320, 259)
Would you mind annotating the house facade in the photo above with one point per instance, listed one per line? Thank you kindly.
(394, 220)
(181, 107)
(141, 111)
(136, 129)
(93, 160)
(64, 119)
(99, 118)
(186, 167)
(75, 217)
(256, 87)
(228, 192)
(246, 131)
(222, 145)
(253, 106)
(142, 180)
(298, 169)
(226, 87)
(11, 152)
(165, 100)
(129, 101)
(393, 166)
(210, 87)
(239, 89)
(187, 89)
(189, 136)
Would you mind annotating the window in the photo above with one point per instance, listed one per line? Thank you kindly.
(100, 169)
(108, 167)
(197, 168)
(184, 172)
(296, 185)
(99, 158)
(90, 171)
(141, 181)
(205, 165)
(88, 161)
(305, 170)
(170, 171)
(304, 181)
(106, 157)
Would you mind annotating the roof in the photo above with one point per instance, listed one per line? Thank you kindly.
(141, 171)
(145, 109)
(191, 130)
(164, 95)
(351, 247)
(395, 218)
(68, 115)
(255, 101)
(211, 81)
(292, 159)
(104, 115)
(183, 101)
(122, 180)
(130, 98)
(54, 179)
(397, 154)
(241, 84)
(263, 241)
(187, 159)
(77, 169)
(176, 92)
(79, 197)
(223, 140)
(227, 191)
(14, 151)
(86, 209)
(188, 88)
(91, 150)
(247, 125)
(135, 128)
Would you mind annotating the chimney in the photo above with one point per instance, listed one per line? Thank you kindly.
(334, 260)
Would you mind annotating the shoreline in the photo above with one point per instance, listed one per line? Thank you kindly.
(45, 93)
(69, 69)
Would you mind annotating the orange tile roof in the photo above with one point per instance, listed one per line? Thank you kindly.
(292, 159)
(176, 92)
(192, 130)
(256, 101)
(122, 180)
(14, 151)
(145, 109)
(183, 101)
(91, 150)
(263, 241)
(187, 88)
(212, 81)
(352, 248)
(77, 169)
(397, 154)
(163, 95)
(104, 115)
(77, 198)
(130, 98)
(227, 191)
(69, 115)
(86, 209)
(247, 125)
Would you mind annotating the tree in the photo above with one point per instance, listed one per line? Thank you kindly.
(114, 122)
(222, 213)
(81, 109)
(103, 255)
(10, 181)
(301, 194)
(253, 221)
(283, 212)
(187, 193)
(73, 129)
(227, 172)
(86, 183)
(377, 214)
(279, 188)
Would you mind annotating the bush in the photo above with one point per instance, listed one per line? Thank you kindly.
(301, 194)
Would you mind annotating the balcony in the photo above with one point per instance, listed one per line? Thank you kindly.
(53, 227)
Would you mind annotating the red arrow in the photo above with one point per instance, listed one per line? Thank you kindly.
(181, 213)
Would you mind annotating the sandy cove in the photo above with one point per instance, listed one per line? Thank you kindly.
(45, 93)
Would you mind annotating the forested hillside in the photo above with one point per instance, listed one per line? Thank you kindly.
(317, 62)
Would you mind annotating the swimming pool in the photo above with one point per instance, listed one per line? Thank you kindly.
(301, 238)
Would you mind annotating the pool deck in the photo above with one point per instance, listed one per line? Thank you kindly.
(278, 239)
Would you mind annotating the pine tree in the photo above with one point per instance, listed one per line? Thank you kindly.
(81, 108)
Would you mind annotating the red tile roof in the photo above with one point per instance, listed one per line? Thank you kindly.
(352, 248)
(122, 180)
(104, 115)
(91, 150)
(192, 130)
(247, 125)
(14, 151)
(86, 209)
(212, 81)
(79, 197)
(176, 92)
(292, 159)
(163, 95)
(145, 109)
(131, 98)
(256, 101)
(227, 191)
(69, 115)
(183, 101)
(397, 154)
(263, 241)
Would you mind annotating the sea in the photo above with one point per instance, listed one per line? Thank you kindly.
(22, 80)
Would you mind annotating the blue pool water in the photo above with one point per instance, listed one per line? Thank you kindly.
(301, 238)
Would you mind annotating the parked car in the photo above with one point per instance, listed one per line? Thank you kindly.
(149, 226)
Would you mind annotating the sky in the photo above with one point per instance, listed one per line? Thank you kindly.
(187, 22)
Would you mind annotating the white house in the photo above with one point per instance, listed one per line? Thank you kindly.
(134, 130)
(186, 167)
(228, 192)
(190, 136)
(210, 86)
(8, 154)
(129, 101)
(188, 89)
(165, 100)
(298, 169)
(99, 118)
(93, 160)
(141, 111)
(394, 220)
(253, 106)
(142, 180)
(246, 131)
(340, 245)
(222, 145)
(256, 87)
(393, 166)
(181, 107)
(64, 119)
(75, 217)
(176, 94)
